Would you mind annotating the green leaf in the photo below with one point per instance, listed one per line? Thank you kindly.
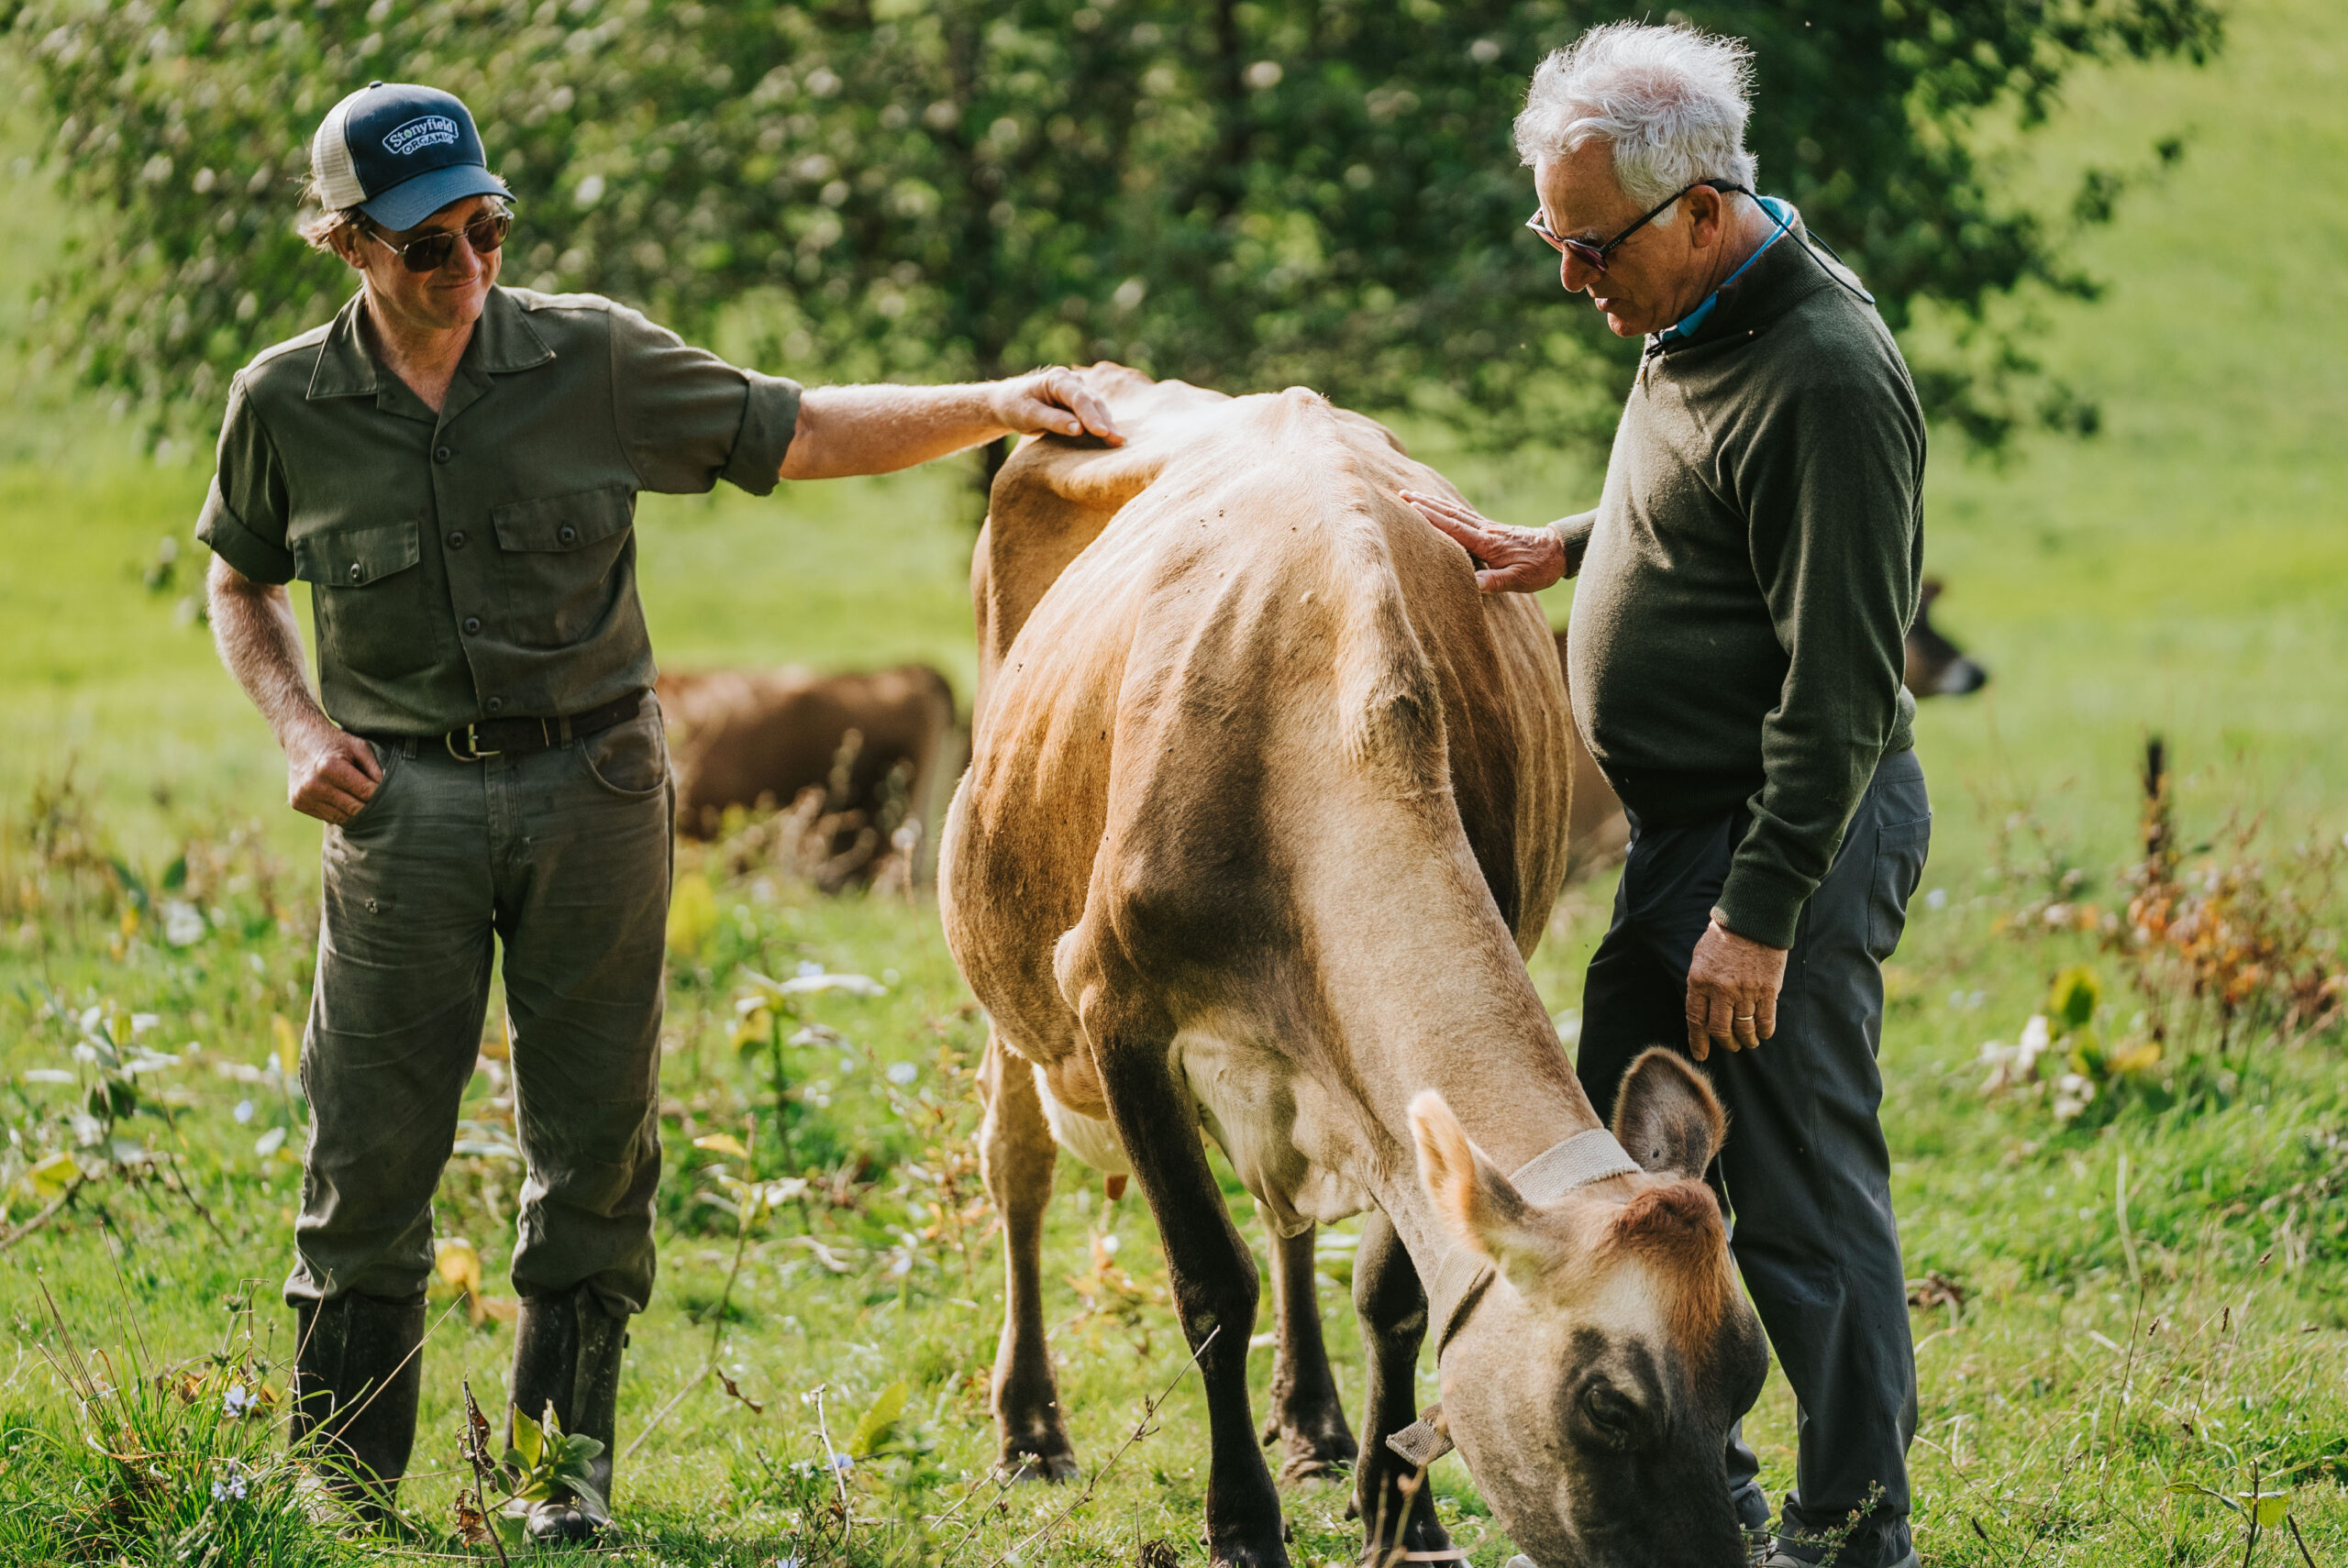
(2071, 1002)
(514, 1530)
(529, 1438)
(2194, 1488)
(576, 1450)
(874, 1427)
(2269, 1508)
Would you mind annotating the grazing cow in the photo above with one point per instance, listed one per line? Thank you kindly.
(877, 744)
(1263, 813)
(1600, 833)
(1937, 667)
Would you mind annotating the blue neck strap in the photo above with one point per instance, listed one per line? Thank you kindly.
(1780, 213)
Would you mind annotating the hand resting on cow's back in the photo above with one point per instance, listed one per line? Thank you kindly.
(1266, 806)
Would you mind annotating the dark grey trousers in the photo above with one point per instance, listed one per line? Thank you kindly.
(1805, 1174)
(563, 856)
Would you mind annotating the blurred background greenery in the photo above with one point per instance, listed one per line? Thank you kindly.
(1244, 194)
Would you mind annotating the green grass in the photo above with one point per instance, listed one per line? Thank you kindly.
(2186, 571)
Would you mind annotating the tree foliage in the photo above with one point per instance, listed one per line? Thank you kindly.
(1243, 193)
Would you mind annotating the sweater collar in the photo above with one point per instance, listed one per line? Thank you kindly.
(1772, 281)
(1781, 217)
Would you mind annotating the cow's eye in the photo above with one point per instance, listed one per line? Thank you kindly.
(1610, 1411)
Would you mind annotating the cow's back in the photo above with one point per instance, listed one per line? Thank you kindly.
(1256, 657)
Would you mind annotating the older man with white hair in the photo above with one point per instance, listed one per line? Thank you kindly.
(1734, 659)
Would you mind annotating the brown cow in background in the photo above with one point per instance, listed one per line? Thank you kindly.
(1597, 833)
(873, 747)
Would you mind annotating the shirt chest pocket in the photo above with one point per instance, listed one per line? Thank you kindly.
(565, 560)
(369, 597)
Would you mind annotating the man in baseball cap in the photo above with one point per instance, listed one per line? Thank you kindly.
(400, 153)
(452, 466)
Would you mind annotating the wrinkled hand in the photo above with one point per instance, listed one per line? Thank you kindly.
(329, 773)
(1732, 986)
(1508, 559)
(1054, 402)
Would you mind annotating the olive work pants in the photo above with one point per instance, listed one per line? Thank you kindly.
(564, 856)
(1805, 1175)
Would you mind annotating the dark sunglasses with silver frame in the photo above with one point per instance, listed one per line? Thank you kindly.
(1594, 255)
(431, 253)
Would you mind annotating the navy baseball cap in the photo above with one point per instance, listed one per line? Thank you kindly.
(400, 153)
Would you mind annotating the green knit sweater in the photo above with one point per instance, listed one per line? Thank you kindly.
(1749, 576)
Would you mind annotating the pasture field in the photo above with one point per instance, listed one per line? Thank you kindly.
(2128, 1320)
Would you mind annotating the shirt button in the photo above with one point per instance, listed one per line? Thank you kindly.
(457, 540)
(473, 624)
(495, 704)
(567, 533)
(356, 572)
(442, 454)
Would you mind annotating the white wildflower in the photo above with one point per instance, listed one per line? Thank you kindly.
(2071, 1094)
(2013, 1066)
(182, 924)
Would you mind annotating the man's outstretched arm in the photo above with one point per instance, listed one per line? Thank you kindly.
(330, 773)
(880, 429)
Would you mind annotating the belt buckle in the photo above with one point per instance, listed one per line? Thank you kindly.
(472, 752)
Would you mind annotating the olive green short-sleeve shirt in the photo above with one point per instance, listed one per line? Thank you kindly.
(479, 563)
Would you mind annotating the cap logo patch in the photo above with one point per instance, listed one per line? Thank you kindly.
(425, 131)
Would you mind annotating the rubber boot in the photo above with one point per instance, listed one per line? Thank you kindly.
(567, 1354)
(358, 1371)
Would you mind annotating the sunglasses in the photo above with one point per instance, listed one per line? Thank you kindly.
(432, 252)
(1594, 255)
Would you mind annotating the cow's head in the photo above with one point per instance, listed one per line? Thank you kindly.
(1937, 667)
(1591, 1384)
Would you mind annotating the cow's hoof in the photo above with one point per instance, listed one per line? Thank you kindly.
(1423, 1536)
(1307, 1456)
(564, 1521)
(1316, 1444)
(1024, 1468)
(1248, 1555)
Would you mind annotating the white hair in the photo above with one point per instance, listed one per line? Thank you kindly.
(1671, 101)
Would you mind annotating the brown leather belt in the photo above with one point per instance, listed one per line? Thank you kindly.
(499, 737)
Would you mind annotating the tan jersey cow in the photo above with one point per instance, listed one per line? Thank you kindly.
(1265, 808)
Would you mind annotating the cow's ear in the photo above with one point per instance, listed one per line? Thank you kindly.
(1666, 1117)
(1483, 1208)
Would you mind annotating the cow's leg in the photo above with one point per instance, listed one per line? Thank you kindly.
(1308, 1420)
(1396, 1508)
(1016, 1154)
(1209, 1264)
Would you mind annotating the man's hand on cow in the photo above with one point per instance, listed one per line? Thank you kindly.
(330, 773)
(1054, 402)
(1732, 986)
(1508, 559)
